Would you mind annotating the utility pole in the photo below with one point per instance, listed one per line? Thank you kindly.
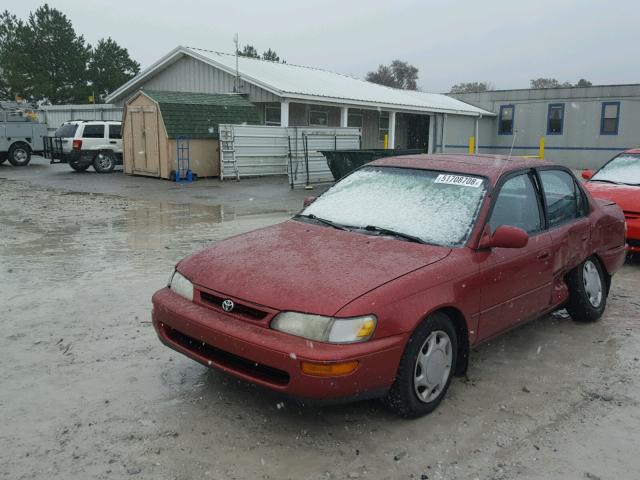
(236, 86)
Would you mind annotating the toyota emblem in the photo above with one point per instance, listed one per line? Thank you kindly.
(227, 305)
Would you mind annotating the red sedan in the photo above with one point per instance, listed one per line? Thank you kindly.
(380, 287)
(619, 181)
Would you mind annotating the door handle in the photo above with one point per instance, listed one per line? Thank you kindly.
(543, 255)
(112, 141)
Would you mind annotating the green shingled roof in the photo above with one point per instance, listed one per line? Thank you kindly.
(193, 114)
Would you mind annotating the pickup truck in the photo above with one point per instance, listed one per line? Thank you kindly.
(20, 137)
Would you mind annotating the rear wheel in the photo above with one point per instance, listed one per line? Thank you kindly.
(425, 369)
(587, 291)
(104, 162)
(19, 154)
(79, 167)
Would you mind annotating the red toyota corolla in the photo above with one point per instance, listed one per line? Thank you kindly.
(381, 286)
(619, 181)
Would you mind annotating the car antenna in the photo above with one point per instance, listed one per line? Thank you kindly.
(513, 142)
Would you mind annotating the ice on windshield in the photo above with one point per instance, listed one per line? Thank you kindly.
(622, 169)
(439, 209)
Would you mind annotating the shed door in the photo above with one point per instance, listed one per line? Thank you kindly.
(144, 133)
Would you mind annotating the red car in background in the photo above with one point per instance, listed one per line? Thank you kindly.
(619, 181)
(381, 286)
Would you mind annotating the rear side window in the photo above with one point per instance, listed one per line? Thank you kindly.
(517, 206)
(563, 197)
(115, 131)
(67, 130)
(93, 131)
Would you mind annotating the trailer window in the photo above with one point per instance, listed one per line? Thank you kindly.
(66, 130)
(93, 131)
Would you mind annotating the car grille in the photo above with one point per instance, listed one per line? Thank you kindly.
(243, 310)
(633, 243)
(632, 215)
(227, 359)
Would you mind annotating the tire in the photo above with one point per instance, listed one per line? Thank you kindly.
(411, 397)
(587, 291)
(19, 154)
(104, 162)
(3, 158)
(79, 167)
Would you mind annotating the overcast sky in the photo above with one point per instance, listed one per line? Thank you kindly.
(503, 42)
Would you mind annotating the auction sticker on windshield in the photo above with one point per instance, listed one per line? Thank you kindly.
(458, 180)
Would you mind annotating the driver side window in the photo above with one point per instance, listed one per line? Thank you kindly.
(517, 206)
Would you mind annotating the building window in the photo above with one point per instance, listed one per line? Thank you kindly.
(505, 120)
(610, 118)
(354, 120)
(318, 118)
(383, 126)
(555, 119)
(272, 116)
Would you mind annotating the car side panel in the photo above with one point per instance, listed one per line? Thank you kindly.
(608, 235)
(571, 245)
(516, 284)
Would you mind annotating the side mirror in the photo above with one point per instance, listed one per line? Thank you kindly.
(308, 201)
(505, 236)
(587, 174)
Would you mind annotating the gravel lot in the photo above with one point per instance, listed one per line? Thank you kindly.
(87, 390)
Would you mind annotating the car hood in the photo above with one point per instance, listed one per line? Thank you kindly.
(304, 267)
(626, 196)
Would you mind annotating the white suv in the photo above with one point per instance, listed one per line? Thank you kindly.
(91, 142)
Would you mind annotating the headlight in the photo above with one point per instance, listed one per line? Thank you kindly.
(180, 285)
(325, 329)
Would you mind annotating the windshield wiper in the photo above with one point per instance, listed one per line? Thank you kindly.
(322, 220)
(393, 233)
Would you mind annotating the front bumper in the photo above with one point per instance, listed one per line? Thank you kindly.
(255, 353)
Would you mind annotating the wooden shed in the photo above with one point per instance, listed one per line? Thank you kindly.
(153, 121)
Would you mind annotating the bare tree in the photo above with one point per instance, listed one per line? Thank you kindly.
(548, 83)
(399, 74)
(472, 87)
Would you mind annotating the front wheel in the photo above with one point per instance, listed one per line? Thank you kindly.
(425, 369)
(587, 291)
(104, 162)
(19, 155)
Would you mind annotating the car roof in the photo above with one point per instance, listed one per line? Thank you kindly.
(78, 122)
(490, 166)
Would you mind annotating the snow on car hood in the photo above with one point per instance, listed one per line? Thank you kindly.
(304, 267)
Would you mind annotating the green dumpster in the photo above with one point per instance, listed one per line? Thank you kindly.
(342, 162)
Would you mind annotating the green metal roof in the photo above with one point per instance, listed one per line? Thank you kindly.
(194, 114)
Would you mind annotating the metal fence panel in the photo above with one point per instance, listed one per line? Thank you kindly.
(259, 150)
(293, 151)
(308, 165)
(56, 115)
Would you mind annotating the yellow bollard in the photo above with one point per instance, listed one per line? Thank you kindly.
(386, 141)
(541, 148)
(472, 145)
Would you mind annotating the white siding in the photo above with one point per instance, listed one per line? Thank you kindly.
(191, 75)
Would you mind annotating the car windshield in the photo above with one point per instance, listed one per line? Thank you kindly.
(433, 207)
(624, 168)
(67, 130)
